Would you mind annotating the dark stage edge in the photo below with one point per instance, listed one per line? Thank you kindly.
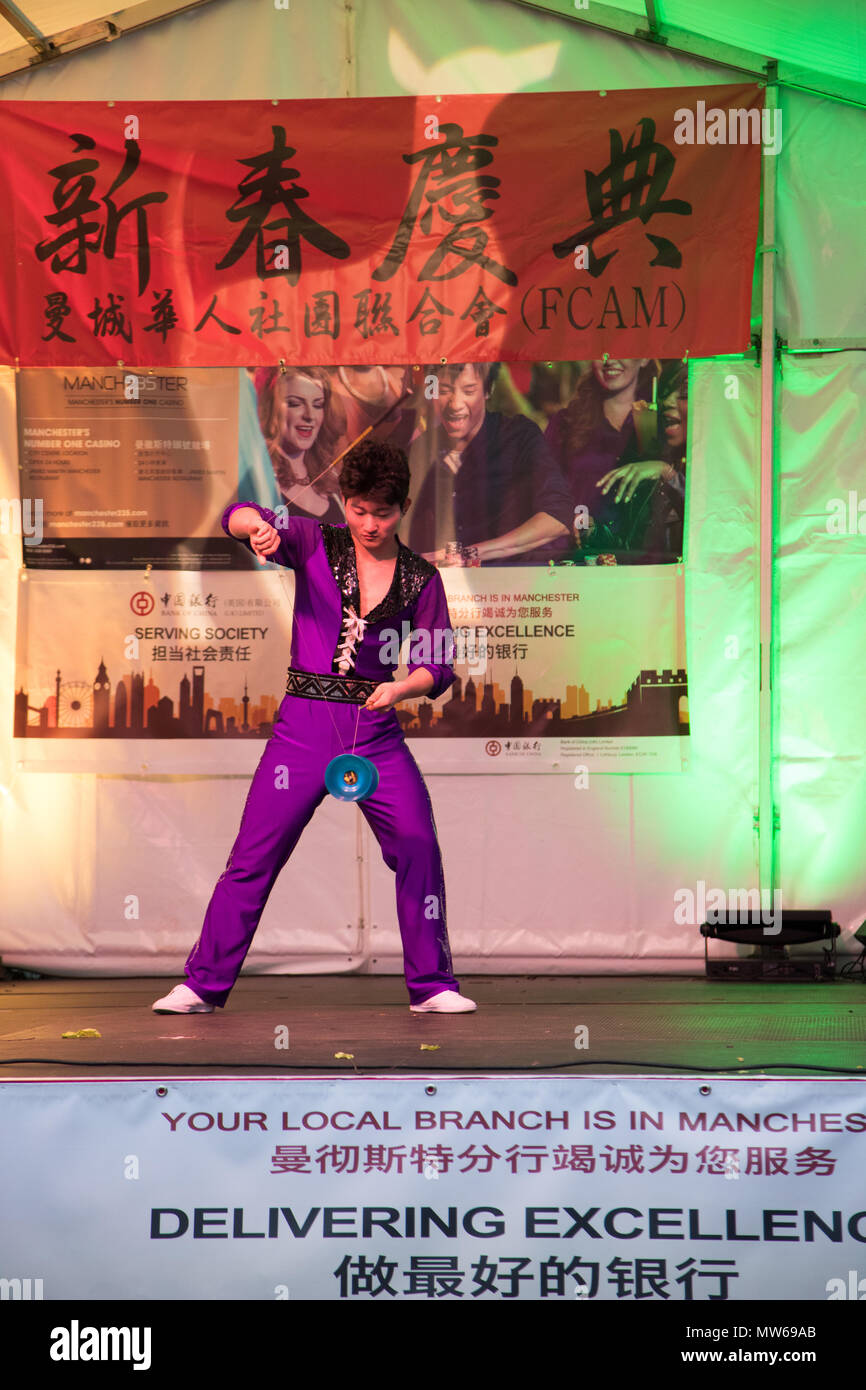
(638, 1025)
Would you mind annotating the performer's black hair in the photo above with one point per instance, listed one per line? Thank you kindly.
(376, 470)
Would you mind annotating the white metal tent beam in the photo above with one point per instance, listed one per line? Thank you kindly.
(646, 28)
(46, 48)
(23, 26)
(760, 66)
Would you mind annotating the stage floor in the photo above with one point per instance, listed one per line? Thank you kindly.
(646, 1025)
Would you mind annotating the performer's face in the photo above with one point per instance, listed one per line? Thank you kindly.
(373, 523)
(302, 409)
(617, 375)
(460, 406)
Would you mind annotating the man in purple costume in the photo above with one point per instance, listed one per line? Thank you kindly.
(355, 588)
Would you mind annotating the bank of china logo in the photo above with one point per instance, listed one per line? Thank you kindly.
(493, 747)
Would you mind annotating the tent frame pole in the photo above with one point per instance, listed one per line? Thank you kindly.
(767, 813)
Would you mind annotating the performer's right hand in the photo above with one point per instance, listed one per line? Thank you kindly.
(264, 540)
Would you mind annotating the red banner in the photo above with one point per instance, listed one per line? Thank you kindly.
(380, 230)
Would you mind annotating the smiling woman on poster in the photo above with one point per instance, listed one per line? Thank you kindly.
(291, 423)
(594, 440)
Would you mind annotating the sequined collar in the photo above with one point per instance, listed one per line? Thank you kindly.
(411, 573)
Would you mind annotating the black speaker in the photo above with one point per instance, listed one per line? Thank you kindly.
(750, 927)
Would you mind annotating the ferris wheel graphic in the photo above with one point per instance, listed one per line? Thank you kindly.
(75, 708)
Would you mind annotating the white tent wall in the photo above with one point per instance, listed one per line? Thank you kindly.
(822, 606)
(540, 876)
(821, 279)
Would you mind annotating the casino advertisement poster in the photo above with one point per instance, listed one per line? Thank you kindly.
(560, 548)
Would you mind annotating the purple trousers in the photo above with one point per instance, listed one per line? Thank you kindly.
(287, 787)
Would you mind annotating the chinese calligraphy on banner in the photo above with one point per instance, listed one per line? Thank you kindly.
(377, 230)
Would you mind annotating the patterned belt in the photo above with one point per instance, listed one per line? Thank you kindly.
(348, 690)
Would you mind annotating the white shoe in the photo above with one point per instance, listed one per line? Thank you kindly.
(182, 1000)
(448, 1002)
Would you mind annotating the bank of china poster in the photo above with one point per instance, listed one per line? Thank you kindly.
(550, 496)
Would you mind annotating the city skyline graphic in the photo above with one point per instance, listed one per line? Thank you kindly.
(655, 703)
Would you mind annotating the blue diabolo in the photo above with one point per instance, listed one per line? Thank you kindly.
(350, 777)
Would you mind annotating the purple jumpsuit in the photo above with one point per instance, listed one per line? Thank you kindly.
(325, 640)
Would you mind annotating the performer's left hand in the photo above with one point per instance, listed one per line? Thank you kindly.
(383, 696)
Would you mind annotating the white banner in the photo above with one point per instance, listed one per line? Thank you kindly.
(543, 1187)
(161, 666)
